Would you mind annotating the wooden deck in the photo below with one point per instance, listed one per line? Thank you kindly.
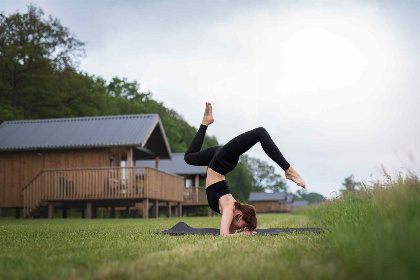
(195, 196)
(108, 183)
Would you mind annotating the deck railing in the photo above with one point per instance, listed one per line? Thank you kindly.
(196, 195)
(102, 184)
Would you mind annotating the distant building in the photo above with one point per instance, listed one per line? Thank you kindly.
(270, 202)
(300, 203)
(288, 204)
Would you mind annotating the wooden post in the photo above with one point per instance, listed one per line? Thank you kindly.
(112, 213)
(196, 187)
(157, 163)
(64, 213)
(50, 210)
(155, 209)
(179, 209)
(168, 209)
(129, 157)
(146, 208)
(89, 210)
(209, 213)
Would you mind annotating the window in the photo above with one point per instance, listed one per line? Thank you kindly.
(188, 183)
(123, 164)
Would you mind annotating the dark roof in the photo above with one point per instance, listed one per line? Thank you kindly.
(85, 132)
(289, 198)
(263, 196)
(299, 203)
(177, 165)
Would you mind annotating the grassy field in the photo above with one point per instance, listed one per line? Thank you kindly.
(373, 234)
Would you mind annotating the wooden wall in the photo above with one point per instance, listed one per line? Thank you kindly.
(267, 206)
(18, 168)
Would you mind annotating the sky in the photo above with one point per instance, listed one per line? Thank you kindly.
(335, 83)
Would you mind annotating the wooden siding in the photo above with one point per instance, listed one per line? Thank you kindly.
(164, 187)
(271, 206)
(266, 206)
(18, 168)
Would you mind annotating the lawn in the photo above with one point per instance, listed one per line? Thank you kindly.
(371, 234)
(131, 249)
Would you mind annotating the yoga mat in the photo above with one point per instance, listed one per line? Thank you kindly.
(183, 228)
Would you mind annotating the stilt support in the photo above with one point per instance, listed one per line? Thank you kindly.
(155, 209)
(179, 214)
(168, 209)
(50, 210)
(146, 208)
(89, 210)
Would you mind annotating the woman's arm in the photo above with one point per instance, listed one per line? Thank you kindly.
(227, 217)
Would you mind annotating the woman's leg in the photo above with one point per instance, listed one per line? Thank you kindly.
(242, 143)
(193, 155)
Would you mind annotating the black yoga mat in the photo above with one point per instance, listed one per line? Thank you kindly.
(183, 228)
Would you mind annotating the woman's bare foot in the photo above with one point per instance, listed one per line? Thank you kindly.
(208, 115)
(291, 174)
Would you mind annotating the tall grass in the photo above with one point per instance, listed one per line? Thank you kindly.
(374, 233)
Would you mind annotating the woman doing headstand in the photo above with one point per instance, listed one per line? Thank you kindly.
(223, 159)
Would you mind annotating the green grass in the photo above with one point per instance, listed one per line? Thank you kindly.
(375, 233)
(369, 235)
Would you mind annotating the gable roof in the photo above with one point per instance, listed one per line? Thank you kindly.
(177, 165)
(263, 196)
(84, 132)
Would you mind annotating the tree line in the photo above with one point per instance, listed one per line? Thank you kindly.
(40, 78)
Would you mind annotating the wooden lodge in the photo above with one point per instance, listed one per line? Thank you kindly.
(86, 162)
(277, 202)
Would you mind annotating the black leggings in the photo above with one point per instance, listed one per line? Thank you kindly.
(224, 159)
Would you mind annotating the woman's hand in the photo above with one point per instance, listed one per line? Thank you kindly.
(247, 232)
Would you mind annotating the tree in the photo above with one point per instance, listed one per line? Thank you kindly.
(350, 184)
(32, 50)
(264, 175)
(312, 197)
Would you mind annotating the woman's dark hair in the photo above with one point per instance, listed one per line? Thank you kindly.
(249, 214)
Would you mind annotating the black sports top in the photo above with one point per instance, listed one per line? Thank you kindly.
(215, 192)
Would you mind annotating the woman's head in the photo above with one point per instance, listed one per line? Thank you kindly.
(244, 216)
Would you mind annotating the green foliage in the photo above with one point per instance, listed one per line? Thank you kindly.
(310, 197)
(32, 51)
(264, 176)
(39, 79)
(350, 184)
